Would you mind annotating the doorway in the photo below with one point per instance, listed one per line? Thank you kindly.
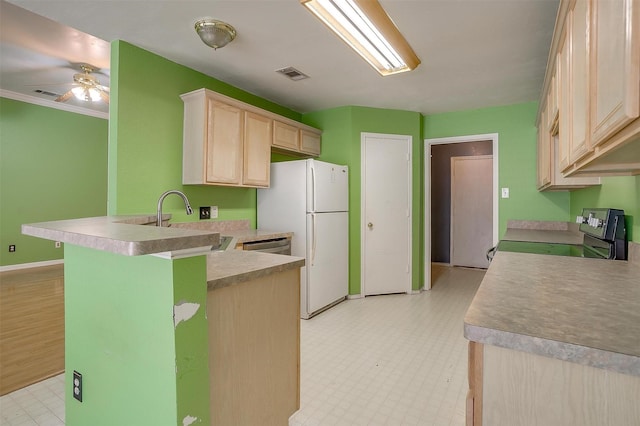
(439, 233)
(385, 223)
(471, 215)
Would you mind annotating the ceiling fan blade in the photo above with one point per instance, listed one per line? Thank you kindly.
(48, 84)
(104, 96)
(65, 97)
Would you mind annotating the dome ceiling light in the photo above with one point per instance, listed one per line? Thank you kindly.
(215, 33)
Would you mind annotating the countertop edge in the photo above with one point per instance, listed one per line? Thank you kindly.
(591, 357)
(100, 233)
(291, 262)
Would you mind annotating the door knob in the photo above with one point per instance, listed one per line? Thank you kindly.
(370, 225)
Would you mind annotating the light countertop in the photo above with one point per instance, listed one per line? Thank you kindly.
(543, 232)
(123, 235)
(127, 236)
(233, 266)
(575, 309)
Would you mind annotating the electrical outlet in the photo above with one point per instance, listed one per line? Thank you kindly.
(505, 192)
(12, 248)
(214, 212)
(58, 244)
(77, 385)
(205, 213)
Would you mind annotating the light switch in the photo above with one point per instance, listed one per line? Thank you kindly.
(214, 212)
(505, 192)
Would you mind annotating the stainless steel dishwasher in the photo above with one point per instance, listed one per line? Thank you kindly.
(275, 245)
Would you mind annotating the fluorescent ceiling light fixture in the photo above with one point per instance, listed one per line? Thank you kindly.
(365, 26)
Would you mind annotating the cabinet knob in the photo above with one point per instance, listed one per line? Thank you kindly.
(370, 225)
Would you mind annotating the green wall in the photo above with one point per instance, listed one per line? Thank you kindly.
(621, 192)
(145, 141)
(341, 144)
(517, 158)
(53, 165)
(138, 366)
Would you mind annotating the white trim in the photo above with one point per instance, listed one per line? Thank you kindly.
(355, 296)
(427, 190)
(52, 104)
(30, 265)
(409, 140)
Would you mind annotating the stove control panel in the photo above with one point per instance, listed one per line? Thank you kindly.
(591, 220)
(602, 223)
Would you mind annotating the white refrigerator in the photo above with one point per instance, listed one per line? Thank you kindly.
(311, 198)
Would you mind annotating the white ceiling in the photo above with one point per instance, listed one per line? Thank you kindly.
(474, 53)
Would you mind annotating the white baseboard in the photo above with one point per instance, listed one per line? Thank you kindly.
(354, 296)
(31, 265)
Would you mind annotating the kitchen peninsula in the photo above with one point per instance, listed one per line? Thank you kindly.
(166, 332)
(555, 340)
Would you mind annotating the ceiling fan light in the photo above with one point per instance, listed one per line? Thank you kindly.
(79, 93)
(90, 94)
(215, 33)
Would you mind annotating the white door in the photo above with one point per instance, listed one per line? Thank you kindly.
(386, 214)
(471, 210)
(327, 187)
(327, 260)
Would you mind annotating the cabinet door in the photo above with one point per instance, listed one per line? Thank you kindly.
(309, 142)
(578, 80)
(224, 143)
(552, 103)
(615, 67)
(564, 110)
(257, 149)
(544, 150)
(285, 136)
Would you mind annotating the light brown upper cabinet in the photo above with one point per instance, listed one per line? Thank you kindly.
(560, 139)
(309, 142)
(286, 136)
(578, 34)
(296, 139)
(544, 155)
(564, 105)
(257, 149)
(228, 142)
(615, 74)
(595, 58)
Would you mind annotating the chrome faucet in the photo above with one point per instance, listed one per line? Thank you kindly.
(163, 196)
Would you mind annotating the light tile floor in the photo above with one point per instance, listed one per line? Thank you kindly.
(389, 360)
(41, 404)
(384, 360)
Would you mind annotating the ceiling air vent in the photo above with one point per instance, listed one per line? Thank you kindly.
(44, 92)
(292, 73)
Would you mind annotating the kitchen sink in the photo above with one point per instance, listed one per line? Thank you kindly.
(224, 243)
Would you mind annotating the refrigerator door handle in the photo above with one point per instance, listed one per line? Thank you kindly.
(313, 188)
(313, 238)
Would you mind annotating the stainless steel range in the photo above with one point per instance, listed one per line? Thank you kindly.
(604, 238)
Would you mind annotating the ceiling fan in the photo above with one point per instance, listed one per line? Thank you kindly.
(87, 87)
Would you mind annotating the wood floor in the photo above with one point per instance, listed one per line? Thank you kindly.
(31, 326)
